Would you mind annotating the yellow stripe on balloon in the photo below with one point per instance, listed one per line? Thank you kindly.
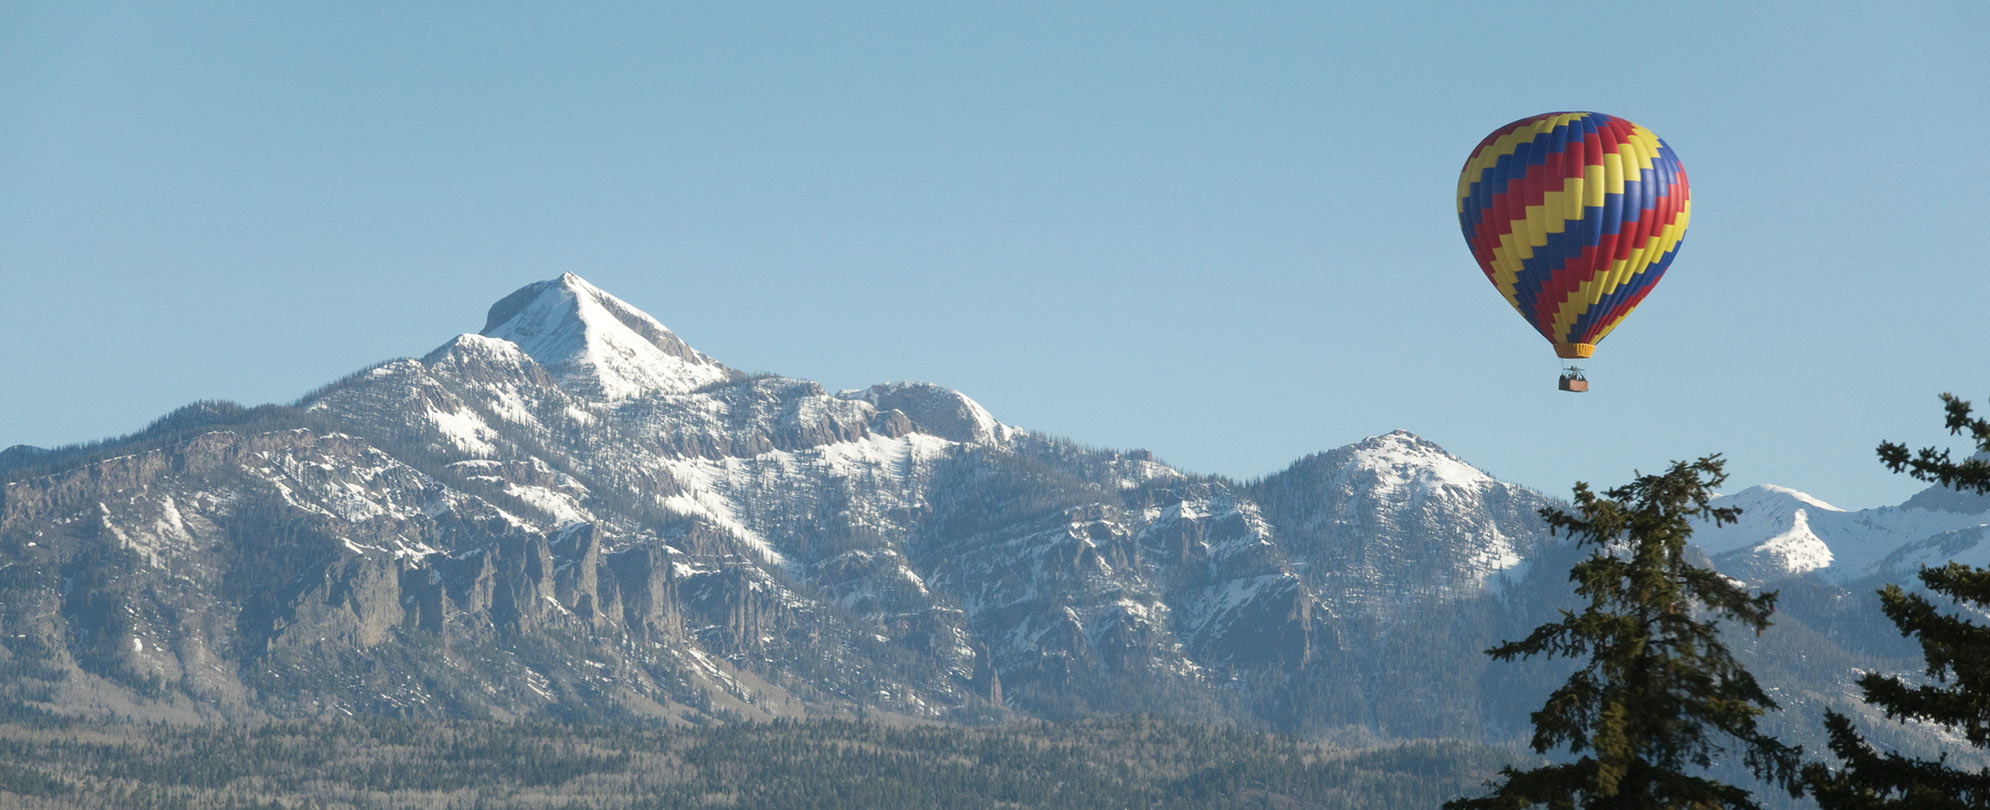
(1582, 298)
(1531, 231)
(1592, 292)
(1506, 145)
(1636, 260)
(1648, 144)
(1612, 325)
(1613, 173)
(1552, 216)
(1592, 187)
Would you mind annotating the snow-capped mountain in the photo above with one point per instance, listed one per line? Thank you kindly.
(574, 512)
(1784, 533)
(1395, 518)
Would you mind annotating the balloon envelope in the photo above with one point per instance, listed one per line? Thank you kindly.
(1573, 216)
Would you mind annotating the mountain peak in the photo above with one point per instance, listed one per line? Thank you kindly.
(1397, 463)
(598, 346)
(940, 411)
(1780, 532)
(1400, 456)
(1399, 438)
(1761, 494)
(1402, 446)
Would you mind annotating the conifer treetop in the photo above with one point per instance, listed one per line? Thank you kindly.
(1659, 695)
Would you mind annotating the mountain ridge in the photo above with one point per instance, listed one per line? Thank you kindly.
(1783, 533)
(572, 512)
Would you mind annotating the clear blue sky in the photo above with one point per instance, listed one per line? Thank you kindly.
(1223, 232)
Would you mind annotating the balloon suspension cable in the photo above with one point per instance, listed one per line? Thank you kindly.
(1572, 380)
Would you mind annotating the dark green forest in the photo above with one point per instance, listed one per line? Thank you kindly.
(1129, 762)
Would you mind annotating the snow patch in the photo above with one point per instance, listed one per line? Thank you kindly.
(563, 508)
(1797, 550)
(714, 509)
(464, 430)
(171, 525)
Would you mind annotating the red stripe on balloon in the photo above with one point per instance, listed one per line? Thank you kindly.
(1616, 313)
(1498, 218)
(1659, 217)
(1563, 281)
(1596, 259)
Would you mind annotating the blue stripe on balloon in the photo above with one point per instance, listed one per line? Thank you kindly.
(1513, 165)
(1590, 318)
(1665, 177)
(1618, 213)
(1660, 184)
(1590, 228)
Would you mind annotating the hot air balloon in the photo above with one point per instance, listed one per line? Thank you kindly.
(1573, 216)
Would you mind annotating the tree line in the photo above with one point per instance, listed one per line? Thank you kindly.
(377, 762)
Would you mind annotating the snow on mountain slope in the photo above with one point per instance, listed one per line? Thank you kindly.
(1783, 532)
(575, 511)
(598, 346)
(1797, 550)
(1395, 519)
(1766, 511)
(940, 411)
(1403, 465)
(1970, 546)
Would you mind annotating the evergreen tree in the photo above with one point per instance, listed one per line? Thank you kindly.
(1958, 656)
(1658, 682)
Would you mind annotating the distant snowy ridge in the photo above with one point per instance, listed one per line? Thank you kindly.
(1784, 532)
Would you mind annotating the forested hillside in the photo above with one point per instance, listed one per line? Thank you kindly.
(819, 764)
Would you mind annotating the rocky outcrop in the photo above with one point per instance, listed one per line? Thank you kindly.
(646, 580)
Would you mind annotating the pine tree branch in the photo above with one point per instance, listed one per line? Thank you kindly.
(1956, 651)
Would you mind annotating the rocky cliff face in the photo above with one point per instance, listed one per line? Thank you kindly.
(575, 513)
